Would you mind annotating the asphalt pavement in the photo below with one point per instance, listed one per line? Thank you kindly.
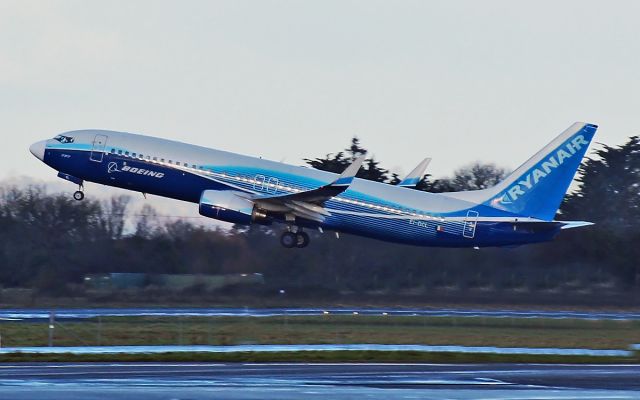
(317, 381)
(276, 348)
(83, 313)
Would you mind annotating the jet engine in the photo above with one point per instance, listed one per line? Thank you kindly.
(231, 206)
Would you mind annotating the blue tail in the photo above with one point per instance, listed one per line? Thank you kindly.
(537, 187)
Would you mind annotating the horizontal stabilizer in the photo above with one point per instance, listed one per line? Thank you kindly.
(547, 225)
(414, 177)
(574, 224)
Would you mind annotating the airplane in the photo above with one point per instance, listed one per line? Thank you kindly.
(245, 190)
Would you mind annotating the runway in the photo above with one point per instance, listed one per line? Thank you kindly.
(276, 348)
(83, 313)
(317, 381)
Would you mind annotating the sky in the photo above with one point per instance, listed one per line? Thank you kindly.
(458, 81)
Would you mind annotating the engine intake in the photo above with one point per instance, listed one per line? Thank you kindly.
(231, 206)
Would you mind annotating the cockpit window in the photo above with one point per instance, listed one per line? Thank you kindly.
(63, 139)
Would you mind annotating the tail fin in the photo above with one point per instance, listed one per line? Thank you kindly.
(537, 187)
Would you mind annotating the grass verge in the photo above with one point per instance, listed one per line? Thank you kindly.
(329, 329)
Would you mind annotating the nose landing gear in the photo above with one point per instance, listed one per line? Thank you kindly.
(79, 194)
(297, 239)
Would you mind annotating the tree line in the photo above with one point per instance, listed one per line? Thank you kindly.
(49, 242)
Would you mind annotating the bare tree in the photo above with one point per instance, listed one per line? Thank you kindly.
(477, 176)
(114, 215)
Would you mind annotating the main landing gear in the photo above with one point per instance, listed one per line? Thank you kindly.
(297, 239)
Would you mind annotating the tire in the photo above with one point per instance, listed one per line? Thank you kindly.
(78, 195)
(302, 240)
(288, 240)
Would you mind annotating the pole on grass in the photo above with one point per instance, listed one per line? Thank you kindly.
(52, 321)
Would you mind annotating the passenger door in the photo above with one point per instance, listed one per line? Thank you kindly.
(97, 150)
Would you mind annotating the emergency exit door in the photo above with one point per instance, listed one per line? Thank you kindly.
(470, 222)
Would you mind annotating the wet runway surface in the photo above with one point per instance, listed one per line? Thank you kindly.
(275, 348)
(71, 314)
(317, 381)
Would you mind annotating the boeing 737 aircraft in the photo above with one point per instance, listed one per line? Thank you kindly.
(247, 190)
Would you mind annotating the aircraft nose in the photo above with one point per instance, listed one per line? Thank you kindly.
(37, 149)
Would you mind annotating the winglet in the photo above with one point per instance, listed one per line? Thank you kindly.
(347, 176)
(412, 179)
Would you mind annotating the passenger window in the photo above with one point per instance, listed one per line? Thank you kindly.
(119, 151)
(170, 162)
(133, 155)
(162, 160)
(140, 155)
(126, 153)
(113, 151)
(155, 158)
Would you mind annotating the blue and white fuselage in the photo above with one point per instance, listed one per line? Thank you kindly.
(243, 189)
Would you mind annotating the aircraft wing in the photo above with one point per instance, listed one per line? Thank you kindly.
(412, 179)
(309, 204)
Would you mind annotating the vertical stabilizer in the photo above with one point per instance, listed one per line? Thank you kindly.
(537, 187)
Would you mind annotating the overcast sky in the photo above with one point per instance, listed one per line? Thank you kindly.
(456, 80)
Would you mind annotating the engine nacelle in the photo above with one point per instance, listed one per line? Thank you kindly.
(230, 206)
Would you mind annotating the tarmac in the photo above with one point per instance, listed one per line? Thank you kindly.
(83, 313)
(197, 381)
(276, 348)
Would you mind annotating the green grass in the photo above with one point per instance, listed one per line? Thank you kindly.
(329, 329)
(342, 329)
